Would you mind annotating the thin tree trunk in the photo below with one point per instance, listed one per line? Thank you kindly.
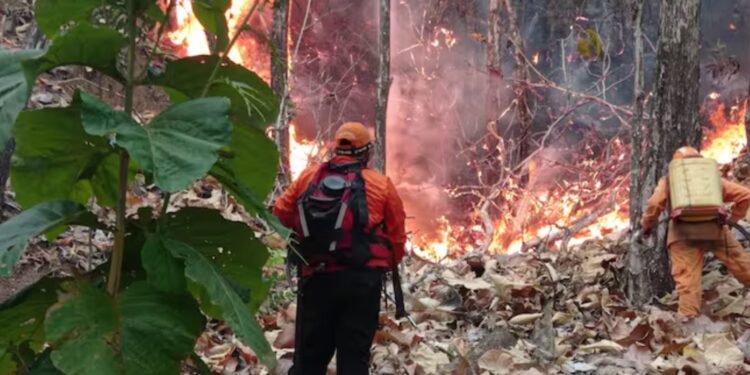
(384, 83)
(636, 259)
(636, 135)
(747, 123)
(494, 39)
(494, 62)
(495, 90)
(5, 158)
(675, 124)
(280, 84)
(521, 76)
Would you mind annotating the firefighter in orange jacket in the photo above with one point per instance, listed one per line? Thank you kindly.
(688, 241)
(346, 243)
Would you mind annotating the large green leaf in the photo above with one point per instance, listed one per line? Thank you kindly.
(7, 364)
(179, 146)
(43, 365)
(164, 271)
(15, 88)
(231, 245)
(53, 153)
(253, 101)
(143, 332)
(248, 198)
(254, 159)
(84, 44)
(22, 318)
(16, 232)
(210, 13)
(201, 270)
(50, 15)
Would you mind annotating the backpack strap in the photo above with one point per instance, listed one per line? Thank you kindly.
(310, 189)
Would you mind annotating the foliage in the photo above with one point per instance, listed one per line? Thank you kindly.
(180, 265)
(590, 45)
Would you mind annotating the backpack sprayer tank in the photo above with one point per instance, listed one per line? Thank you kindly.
(695, 190)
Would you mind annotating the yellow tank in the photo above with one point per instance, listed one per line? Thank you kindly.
(695, 189)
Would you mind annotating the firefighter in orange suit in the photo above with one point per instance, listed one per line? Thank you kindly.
(688, 241)
(348, 221)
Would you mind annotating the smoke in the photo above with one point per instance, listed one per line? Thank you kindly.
(443, 96)
(436, 105)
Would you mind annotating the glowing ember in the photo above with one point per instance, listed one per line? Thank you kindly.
(726, 136)
(445, 36)
(535, 58)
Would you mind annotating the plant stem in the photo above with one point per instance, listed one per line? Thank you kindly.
(163, 213)
(115, 270)
(224, 55)
(160, 32)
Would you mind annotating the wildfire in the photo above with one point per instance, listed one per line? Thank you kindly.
(301, 151)
(527, 216)
(726, 137)
(188, 34)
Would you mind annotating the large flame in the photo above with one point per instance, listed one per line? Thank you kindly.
(189, 35)
(301, 152)
(528, 215)
(725, 137)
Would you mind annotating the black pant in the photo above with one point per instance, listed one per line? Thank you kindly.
(337, 311)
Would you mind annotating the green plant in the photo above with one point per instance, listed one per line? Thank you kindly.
(142, 311)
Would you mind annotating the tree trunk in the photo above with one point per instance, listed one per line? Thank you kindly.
(280, 84)
(495, 89)
(494, 62)
(384, 84)
(636, 135)
(675, 124)
(747, 123)
(521, 76)
(494, 41)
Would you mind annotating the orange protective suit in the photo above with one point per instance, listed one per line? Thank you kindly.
(689, 241)
(383, 205)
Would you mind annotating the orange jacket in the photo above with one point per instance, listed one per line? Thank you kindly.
(383, 204)
(684, 231)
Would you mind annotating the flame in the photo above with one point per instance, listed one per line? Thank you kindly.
(726, 136)
(523, 216)
(535, 58)
(301, 152)
(189, 35)
(188, 32)
(443, 36)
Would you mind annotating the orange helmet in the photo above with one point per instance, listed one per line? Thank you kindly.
(353, 138)
(686, 152)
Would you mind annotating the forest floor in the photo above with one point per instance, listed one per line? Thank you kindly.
(534, 313)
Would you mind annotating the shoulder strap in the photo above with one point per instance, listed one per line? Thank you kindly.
(358, 199)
